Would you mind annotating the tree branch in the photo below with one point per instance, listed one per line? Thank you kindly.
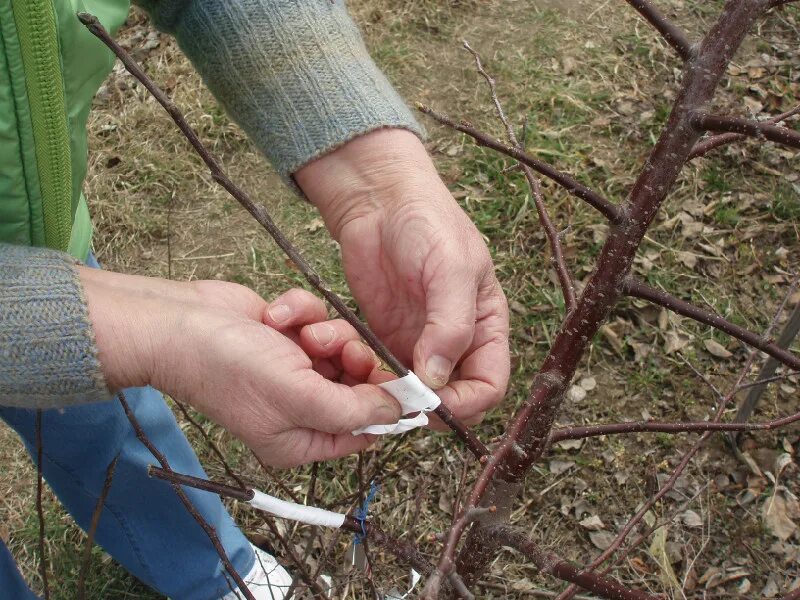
(568, 182)
(795, 594)
(558, 567)
(767, 131)
(715, 141)
(672, 34)
(265, 220)
(637, 289)
(581, 432)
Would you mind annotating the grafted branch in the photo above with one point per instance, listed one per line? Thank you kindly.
(637, 289)
(568, 182)
(669, 30)
(556, 566)
(767, 131)
(402, 550)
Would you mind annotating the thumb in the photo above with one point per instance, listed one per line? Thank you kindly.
(337, 408)
(447, 335)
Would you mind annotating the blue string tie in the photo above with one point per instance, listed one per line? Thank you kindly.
(360, 514)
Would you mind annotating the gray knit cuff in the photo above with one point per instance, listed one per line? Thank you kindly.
(48, 357)
(294, 74)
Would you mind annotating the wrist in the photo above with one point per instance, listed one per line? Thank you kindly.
(132, 324)
(373, 172)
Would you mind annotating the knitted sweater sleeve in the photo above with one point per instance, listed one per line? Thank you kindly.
(48, 357)
(295, 75)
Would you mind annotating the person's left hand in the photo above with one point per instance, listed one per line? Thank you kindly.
(417, 266)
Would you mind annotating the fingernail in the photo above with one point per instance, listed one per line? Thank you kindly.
(387, 412)
(438, 370)
(279, 313)
(323, 333)
(368, 352)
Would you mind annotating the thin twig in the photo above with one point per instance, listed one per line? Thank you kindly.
(209, 442)
(587, 431)
(265, 220)
(559, 262)
(39, 510)
(221, 489)
(98, 509)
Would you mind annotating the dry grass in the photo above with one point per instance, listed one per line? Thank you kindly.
(594, 83)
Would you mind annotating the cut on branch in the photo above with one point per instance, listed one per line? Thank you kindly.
(669, 30)
(637, 289)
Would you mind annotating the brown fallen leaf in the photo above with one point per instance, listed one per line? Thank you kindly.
(674, 341)
(717, 349)
(780, 512)
(601, 539)
(593, 523)
(557, 467)
(691, 519)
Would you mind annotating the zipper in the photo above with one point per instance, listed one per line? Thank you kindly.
(44, 81)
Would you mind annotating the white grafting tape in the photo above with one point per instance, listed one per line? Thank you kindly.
(296, 512)
(413, 396)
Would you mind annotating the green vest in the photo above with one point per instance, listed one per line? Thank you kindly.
(50, 69)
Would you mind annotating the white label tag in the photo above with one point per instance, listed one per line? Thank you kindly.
(413, 396)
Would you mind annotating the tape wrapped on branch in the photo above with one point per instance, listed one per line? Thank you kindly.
(413, 396)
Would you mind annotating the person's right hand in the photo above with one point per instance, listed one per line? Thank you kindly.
(281, 377)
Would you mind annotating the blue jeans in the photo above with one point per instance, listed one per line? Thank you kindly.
(143, 525)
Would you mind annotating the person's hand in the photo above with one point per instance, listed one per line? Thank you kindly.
(280, 376)
(417, 266)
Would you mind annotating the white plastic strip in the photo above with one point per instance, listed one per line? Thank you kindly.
(413, 396)
(296, 512)
(395, 595)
